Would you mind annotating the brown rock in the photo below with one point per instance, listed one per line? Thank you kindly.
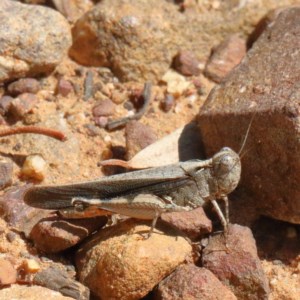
(193, 223)
(186, 63)
(119, 263)
(31, 48)
(225, 57)
(268, 19)
(8, 274)
(54, 234)
(64, 87)
(138, 136)
(59, 280)
(30, 293)
(23, 104)
(17, 214)
(238, 265)
(5, 102)
(6, 169)
(23, 85)
(104, 108)
(138, 39)
(265, 83)
(119, 97)
(191, 282)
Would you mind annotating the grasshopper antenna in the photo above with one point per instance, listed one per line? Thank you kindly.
(246, 136)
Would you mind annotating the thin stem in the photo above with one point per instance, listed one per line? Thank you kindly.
(33, 129)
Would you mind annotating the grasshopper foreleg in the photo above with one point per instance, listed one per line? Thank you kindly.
(220, 215)
(225, 199)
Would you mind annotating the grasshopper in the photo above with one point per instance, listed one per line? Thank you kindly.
(147, 193)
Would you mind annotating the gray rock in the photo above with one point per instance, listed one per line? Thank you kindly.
(34, 39)
(266, 84)
(59, 280)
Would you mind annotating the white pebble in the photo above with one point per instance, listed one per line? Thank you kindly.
(34, 167)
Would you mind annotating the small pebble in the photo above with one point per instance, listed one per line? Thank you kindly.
(23, 104)
(11, 236)
(6, 172)
(176, 83)
(186, 63)
(34, 167)
(168, 103)
(92, 129)
(119, 97)
(8, 274)
(104, 108)
(277, 262)
(64, 87)
(23, 85)
(30, 265)
(128, 105)
(5, 103)
(101, 121)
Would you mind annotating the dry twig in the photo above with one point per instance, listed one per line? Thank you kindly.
(146, 96)
(33, 129)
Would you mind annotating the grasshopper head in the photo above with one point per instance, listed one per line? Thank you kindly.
(227, 170)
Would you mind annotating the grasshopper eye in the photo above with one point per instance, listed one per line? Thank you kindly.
(226, 162)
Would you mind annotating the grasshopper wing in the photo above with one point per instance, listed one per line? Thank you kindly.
(155, 181)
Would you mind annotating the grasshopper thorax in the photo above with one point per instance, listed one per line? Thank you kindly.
(226, 166)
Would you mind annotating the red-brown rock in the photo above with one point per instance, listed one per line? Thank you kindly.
(104, 108)
(54, 234)
(64, 87)
(225, 57)
(233, 259)
(23, 85)
(138, 136)
(193, 283)
(23, 104)
(264, 84)
(193, 223)
(186, 63)
(17, 213)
